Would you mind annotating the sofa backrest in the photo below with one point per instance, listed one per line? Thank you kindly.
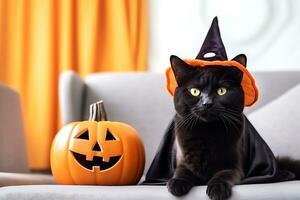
(272, 85)
(141, 100)
(13, 156)
(137, 99)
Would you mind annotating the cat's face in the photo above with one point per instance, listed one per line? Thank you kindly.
(208, 93)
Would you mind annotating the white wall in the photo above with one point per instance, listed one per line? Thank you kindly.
(267, 31)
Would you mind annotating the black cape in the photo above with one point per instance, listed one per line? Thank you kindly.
(259, 162)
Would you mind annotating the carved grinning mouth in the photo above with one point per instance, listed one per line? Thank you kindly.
(97, 161)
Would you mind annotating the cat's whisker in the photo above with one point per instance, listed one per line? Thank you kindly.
(230, 118)
(231, 122)
(188, 120)
(184, 120)
(231, 111)
(234, 118)
(195, 121)
(222, 120)
(233, 114)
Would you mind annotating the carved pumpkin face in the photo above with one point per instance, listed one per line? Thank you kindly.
(96, 149)
(103, 153)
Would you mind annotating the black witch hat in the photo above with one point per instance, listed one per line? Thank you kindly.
(213, 52)
(213, 47)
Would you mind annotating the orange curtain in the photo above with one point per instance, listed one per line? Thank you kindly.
(40, 39)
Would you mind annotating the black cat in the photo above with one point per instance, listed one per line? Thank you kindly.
(210, 141)
(210, 129)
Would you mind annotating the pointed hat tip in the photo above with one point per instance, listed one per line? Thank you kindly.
(215, 21)
(213, 43)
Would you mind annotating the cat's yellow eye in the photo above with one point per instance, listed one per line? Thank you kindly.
(221, 91)
(195, 92)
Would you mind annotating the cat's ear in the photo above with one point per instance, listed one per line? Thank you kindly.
(180, 68)
(241, 58)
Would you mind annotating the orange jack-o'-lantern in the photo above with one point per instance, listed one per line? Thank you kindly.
(97, 152)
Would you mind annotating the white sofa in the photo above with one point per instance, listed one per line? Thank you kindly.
(14, 169)
(140, 99)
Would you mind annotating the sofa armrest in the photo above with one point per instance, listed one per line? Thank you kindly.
(13, 156)
(7, 179)
(71, 89)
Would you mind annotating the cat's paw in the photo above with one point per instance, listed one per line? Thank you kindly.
(218, 190)
(179, 187)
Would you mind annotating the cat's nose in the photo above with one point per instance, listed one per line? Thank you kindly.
(206, 102)
(207, 105)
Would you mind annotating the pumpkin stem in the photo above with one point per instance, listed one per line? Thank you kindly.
(97, 112)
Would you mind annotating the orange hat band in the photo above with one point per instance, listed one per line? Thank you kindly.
(248, 81)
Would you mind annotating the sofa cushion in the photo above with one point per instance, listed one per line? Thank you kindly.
(285, 190)
(272, 85)
(278, 123)
(24, 179)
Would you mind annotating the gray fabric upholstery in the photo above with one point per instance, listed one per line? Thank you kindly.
(71, 88)
(278, 123)
(14, 168)
(277, 191)
(141, 100)
(24, 179)
(272, 85)
(13, 157)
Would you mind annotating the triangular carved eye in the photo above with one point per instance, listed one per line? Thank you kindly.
(109, 136)
(84, 135)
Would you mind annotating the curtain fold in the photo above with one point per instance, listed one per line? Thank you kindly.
(40, 39)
